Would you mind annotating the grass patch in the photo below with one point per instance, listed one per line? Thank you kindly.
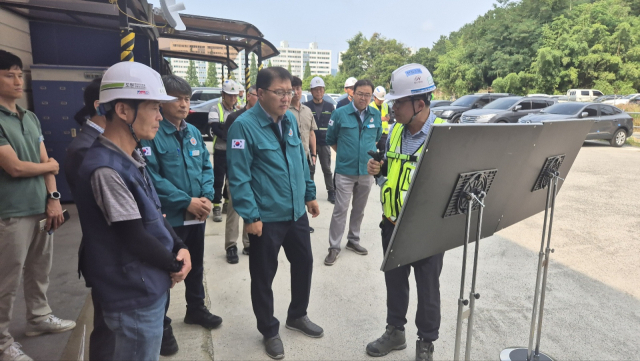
(633, 142)
(633, 108)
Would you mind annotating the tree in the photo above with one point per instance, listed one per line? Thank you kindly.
(192, 76)
(269, 65)
(307, 70)
(253, 69)
(212, 76)
(289, 67)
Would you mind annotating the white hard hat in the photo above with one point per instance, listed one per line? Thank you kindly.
(230, 87)
(410, 79)
(350, 82)
(317, 82)
(131, 80)
(379, 93)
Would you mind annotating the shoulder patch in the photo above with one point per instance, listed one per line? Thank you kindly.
(330, 122)
(237, 144)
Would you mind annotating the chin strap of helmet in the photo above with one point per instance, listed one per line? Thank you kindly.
(427, 103)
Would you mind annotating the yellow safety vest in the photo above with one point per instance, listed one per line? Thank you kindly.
(400, 168)
(384, 111)
(221, 116)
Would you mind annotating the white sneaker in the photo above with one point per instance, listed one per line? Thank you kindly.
(14, 353)
(51, 325)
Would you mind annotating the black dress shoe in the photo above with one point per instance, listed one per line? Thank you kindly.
(169, 344)
(232, 255)
(311, 230)
(304, 325)
(245, 251)
(200, 315)
(274, 348)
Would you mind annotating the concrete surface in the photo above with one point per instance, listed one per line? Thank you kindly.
(592, 309)
(593, 303)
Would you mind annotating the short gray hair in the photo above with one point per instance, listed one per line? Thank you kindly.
(175, 85)
(252, 89)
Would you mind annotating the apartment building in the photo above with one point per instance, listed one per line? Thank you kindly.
(319, 60)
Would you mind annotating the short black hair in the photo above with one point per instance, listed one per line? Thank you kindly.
(295, 81)
(91, 94)
(176, 85)
(363, 82)
(9, 60)
(265, 76)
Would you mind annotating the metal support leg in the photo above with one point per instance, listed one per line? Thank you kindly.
(473, 296)
(461, 301)
(529, 353)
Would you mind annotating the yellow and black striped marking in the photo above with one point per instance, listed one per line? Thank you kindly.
(247, 77)
(127, 41)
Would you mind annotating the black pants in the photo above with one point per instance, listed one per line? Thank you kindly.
(219, 172)
(102, 341)
(263, 263)
(427, 273)
(193, 237)
(324, 158)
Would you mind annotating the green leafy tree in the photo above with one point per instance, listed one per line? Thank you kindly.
(307, 70)
(192, 76)
(253, 68)
(212, 76)
(269, 65)
(289, 67)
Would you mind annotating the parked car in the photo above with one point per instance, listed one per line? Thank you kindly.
(440, 103)
(560, 98)
(199, 116)
(583, 95)
(623, 100)
(306, 97)
(611, 123)
(202, 94)
(507, 110)
(604, 98)
(452, 112)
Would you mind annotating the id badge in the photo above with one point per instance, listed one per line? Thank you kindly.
(194, 153)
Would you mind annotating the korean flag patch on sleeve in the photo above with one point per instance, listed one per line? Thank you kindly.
(146, 151)
(330, 122)
(237, 144)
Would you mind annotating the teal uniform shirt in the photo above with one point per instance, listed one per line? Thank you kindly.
(180, 169)
(268, 178)
(354, 138)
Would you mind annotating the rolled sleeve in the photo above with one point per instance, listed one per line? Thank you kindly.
(239, 162)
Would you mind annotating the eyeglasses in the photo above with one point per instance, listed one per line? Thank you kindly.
(254, 94)
(363, 95)
(282, 93)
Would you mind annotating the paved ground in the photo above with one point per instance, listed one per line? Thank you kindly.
(593, 300)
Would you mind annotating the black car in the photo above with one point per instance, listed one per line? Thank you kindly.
(611, 123)
(453, 112)
(507, 110)
(440, 103)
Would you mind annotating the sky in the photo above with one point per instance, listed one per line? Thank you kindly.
(330, 23)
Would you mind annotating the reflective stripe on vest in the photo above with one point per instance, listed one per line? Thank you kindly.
(400, 168)
(221, 117)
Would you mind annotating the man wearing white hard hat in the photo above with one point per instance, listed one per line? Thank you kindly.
(348, 88)
(378, 102)
(322, 111)
(411, 88)
(241, 99)
(217, 116)
(129, 255)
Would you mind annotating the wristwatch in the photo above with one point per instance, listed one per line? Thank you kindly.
(53, 195)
